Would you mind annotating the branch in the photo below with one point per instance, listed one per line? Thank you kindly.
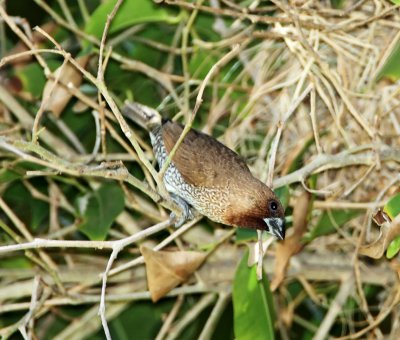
(345, 158)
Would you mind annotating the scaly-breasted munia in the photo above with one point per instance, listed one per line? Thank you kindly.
(210, 177)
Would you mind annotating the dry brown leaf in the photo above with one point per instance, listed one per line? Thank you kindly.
(58, 97)
(166, 269)
(37, 39)
(389, 231)
(292, 244)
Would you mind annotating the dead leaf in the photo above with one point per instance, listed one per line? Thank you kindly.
(292, 244)
(37, 40)
(57, 97)
(389, 231)
(167, 269)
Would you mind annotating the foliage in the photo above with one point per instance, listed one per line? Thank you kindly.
(313, 85)
(254, 314)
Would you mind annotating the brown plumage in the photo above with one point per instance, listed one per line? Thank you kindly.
(210, 177)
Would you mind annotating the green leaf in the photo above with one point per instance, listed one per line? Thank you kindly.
(245, 235)
(100, 209)
(396, 2)
(8, 175)
(32, 78)
(337, 4)
(130, 13)
(392, 208)
(20, 262)
(330, 221)
(31, 211)
(283, 194)
(391, 69)
(393, 248)
(252, 304)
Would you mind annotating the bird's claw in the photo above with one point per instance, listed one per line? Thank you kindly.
(180, 219)
(186, 212)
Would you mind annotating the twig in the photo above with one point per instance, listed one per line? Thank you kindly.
(102, 308)
(345, 158)
(111, 103)
(181, 230)
(208, 330)
(48, 159)
(199, 100)
(192, 314)
(45, 100)
(391, 302)
(341, 297)
(38, 243)
(170, 318)
(117, 247)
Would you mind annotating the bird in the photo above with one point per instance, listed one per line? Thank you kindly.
(206, 175)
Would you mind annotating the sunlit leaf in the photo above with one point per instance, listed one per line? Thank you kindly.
(391, 69)
(393, 248)
(100, 210)
(252, 304)
(392, 208)
(130, 13)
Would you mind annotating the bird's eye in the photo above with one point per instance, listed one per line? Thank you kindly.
(273, 205)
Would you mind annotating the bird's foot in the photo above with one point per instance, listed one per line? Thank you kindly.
(186, 212)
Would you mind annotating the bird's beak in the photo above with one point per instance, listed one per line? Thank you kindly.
(276, 226)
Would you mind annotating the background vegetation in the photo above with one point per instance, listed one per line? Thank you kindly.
(306, 91)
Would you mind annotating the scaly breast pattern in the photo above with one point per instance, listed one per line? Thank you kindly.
(211, 202)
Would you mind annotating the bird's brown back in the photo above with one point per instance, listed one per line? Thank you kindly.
(202, 160)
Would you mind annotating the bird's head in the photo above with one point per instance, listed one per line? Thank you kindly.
(259, 209)
(274, 218)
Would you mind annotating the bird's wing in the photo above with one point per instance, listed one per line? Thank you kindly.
(201, 159)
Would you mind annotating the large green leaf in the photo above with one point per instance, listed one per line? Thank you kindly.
(131, 12)
(392, 208)
(252, 304)
(330, 221)
(99, 210)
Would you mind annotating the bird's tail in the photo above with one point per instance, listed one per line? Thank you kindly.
(145, 116)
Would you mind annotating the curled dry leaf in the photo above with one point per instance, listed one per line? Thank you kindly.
(167, 269)
(57, 97)
(389, 231)
(292, 244)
